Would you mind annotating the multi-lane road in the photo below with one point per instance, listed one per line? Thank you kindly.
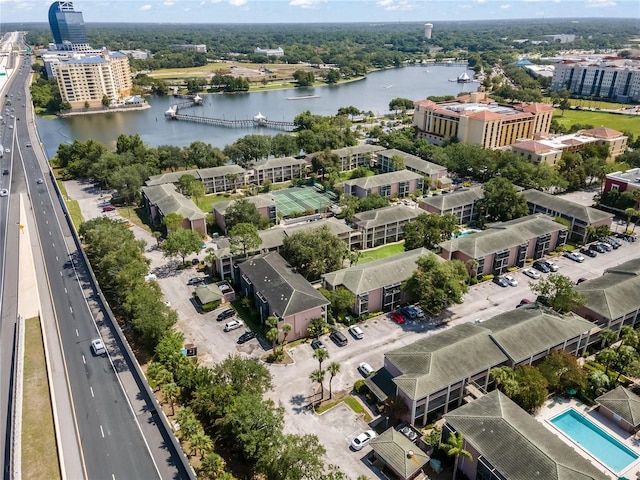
(113, 424)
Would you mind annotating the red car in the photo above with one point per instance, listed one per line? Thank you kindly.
(108, 208)
(397, 317)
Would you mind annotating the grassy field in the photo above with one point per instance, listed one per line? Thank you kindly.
(279, 70)
(39, 450)
(207, 202)
(587, 103)
(381, 252)
(626, 123)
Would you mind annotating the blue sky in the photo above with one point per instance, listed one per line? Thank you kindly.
(305, 11)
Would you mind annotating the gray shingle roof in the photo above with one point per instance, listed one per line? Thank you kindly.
(524, 332)
(208, 293)
(384, 179)
(385, 216)
(435, 362)
(274, 237)
(615, 293)
(346, 151)
(377, 274)
(583, 213)
(213, 172)
(260, 201)
(459, 198)
(170, 177)
(503, 236)
(169, 200)
(516, 444)
(279, 162)
(412, 162)
(622, 402)
(399, 452)
(286, 292)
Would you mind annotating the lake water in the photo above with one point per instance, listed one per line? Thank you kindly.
(373, 93)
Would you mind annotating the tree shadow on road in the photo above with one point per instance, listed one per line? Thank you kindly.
(301, 403)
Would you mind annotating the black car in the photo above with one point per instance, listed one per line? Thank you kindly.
(245, 337)
(500, 281)
(609, 241)
(228, 313)
(541, 266)
(317, 344)
(597, 247)
(588, 252)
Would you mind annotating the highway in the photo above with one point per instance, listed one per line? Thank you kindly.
(107, 420)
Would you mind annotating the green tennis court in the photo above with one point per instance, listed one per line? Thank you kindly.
(296, 199)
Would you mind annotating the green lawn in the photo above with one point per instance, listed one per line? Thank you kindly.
(207, 202)
(381, 252)
(622, 123)
(587, 103)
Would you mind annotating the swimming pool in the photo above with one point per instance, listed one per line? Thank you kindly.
(594, 440)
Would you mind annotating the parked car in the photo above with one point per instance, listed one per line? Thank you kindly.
(363, 439)
(39, 181)
(397, 317)
(510, 280)
(233, 325)
(365, 369)
(412, 312)
(626, 237)
(598, 248)
(356, 332)
(588, 252)
(4, 192)
(108, 208)
(339, 338)
(606, 246)
(531, 273)
(317, 344)
(552, 266)
(228, 313)
(541, 266)
(98, 347)
(609, 241)
(245, 337)
(575, 256)
(195, 261)
(523, 302)
(500, 281)
(196, 281)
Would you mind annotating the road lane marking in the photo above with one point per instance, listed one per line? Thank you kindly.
(71, 308)
(65, 290)
(92, 395)
(101, 431)
(77, 334)
(84, 360)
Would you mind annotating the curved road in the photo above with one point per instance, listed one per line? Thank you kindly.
(109, 428)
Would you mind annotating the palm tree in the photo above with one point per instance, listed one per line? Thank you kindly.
(318, 376)
(158, 375)
(188, 422)
(608, 336)
(171, 392)
(628, 336)
(455, 447)
(607, 357)
(599, 381)
(321, 355)
(200, 441)
(333, 368)
(629, 212)
(212, 466)
(156, 234)
(286, 328)
(232, 177)
(210, 258)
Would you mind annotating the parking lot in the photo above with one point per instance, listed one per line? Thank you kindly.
(337, 427)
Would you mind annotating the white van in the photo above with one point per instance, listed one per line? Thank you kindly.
(232, 325)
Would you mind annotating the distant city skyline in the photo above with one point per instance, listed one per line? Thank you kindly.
(317, 11)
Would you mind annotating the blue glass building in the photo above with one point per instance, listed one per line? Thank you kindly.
(67, 25)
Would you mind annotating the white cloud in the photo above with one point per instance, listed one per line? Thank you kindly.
(144, 8)
(505, 6)
(395, 5)
(306, 3)
(600, 3)
(237, 3)
(168, 3)
(479, 1)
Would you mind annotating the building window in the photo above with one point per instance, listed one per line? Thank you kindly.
(363, 303)
(391, 297)
(385, 191)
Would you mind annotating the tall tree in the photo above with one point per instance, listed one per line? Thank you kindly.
(562, 372)
(333, 368)
(314, 252)
(320, 354)
(559, 292)
(243, 211)
(501, 201)
(317, 376)
(428, 230)
(454, 446)
(532, 388)
(244, 239)
(436, 284)
(181, 243)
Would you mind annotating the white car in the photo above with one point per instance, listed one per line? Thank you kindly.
(356, 332)
(531, 273)
(363, 439)
(510, 280)
(4, 192)
(232, 325)
(365, 368)
(98, 347)
(575, 256)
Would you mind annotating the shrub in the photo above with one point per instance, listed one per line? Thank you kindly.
(360, 387)
(211, 306)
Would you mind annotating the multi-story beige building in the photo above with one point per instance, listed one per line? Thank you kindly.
(477, 119)
(87, 79)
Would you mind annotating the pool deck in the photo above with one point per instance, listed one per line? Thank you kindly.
(557, 405)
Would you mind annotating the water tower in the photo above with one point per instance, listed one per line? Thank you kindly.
(427, 30)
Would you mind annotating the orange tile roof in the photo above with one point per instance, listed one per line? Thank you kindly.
(486, 115)
(532, 146)
(571, 141)
(535, 107)
(425, 103)
(602, 132)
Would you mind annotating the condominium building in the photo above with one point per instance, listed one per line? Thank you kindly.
(614, 78)
(87, 79)
(477, 119)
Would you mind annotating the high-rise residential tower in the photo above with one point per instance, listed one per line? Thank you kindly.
(67, 26)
